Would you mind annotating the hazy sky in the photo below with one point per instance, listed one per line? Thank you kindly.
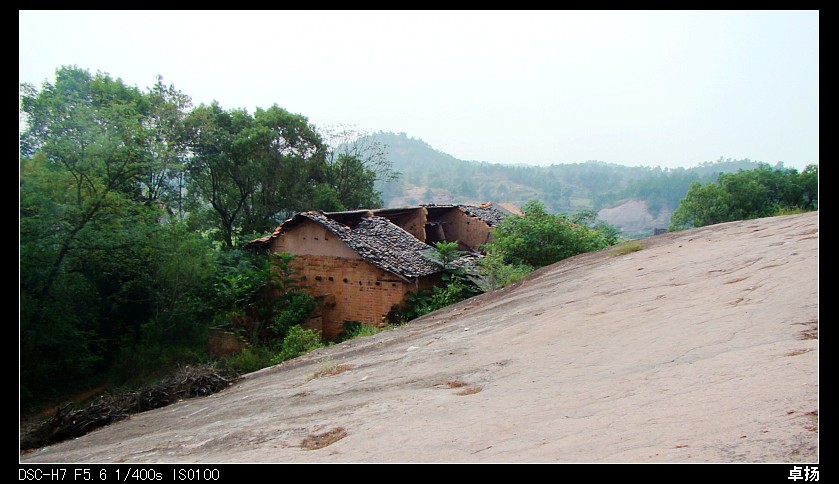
(540, 87)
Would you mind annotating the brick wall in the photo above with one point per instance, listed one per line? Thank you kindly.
(311, 238)
(462, 227)
(223, 343)
(412, 222)
(347, 287)
(349, 290)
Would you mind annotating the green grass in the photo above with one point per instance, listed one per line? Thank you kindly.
(789, 211)
(355, 329)
(626, 248)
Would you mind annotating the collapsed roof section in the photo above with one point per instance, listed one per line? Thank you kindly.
(392, 239)
(374, 239)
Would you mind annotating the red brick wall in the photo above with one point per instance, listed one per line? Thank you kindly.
(466, 229)
(223, 343)
(349, 290)
(413, 222)
(312, 239)
(348, 287)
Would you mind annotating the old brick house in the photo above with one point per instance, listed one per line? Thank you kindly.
(361, 264)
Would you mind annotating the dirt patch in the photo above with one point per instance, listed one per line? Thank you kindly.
(319, 441)
(456, 383)
(468, 391)
(813, 416)
(812, 331)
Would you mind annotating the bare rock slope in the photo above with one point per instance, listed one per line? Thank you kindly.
(700, 347)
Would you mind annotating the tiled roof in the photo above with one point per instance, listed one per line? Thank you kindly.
(381, 242)
(375, 239)
(487, 212)
(391, 248)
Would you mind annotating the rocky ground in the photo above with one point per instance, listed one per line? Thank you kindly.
(702, 346)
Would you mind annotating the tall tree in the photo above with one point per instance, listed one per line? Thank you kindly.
(91, 129)
(82, 222)
(353, 163)
(250, 169)
(164, 179)
(288, 149)
(220, 167)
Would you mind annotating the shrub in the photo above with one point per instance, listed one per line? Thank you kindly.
(498, 274)
(356, 329)
(298, 342)
(295, 309)
(627, 248)
(458, 287)
(447, 252)
(250, 359)
(538, 238)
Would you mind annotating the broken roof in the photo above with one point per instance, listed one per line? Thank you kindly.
(486, 212)
(377, 240)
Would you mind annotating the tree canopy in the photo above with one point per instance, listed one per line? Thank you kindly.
(538, 238)
(132, 203)
(747, 194)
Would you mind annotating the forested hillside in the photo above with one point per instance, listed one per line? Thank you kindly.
(431, 176)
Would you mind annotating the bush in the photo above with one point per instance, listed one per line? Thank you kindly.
(457, 288)
(250, 359)
(298, 342)
(539, 239)
(295, 308)
(356, 329)
(498, 274)
(748, 194)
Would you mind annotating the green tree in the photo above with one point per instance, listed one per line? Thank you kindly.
(808, 182)
(446, 253)
(101, 276)
(611, 234)
(89, 130)
(288, 151)
(747, 194)
(164, 180)
(221, 169)
(538, 238)
(353, 164)
(251, 170)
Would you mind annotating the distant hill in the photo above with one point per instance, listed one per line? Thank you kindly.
(430, 176)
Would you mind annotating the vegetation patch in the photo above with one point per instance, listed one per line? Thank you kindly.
(356, 329)
(748, 194)
(627, 248)
(298, 342)
(539, 238)
(330, 368)
(67, 423)
(319, 441)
